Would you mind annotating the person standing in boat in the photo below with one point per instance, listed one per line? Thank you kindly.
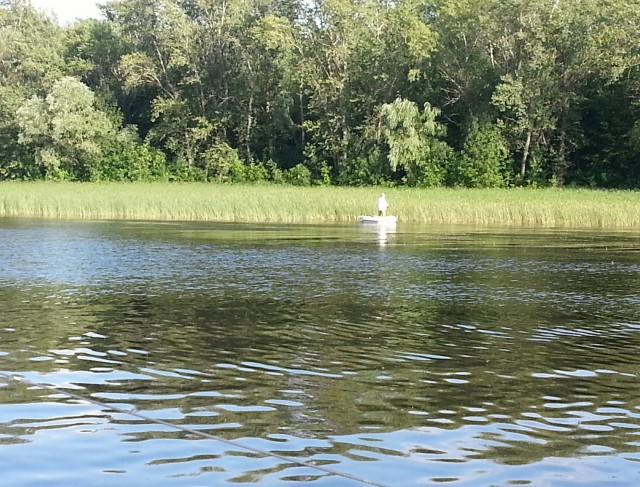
(382, 205)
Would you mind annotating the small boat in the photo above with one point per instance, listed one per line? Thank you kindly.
(378, 220)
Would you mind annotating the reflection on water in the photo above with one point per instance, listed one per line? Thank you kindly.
(418, 356)
(384, 232)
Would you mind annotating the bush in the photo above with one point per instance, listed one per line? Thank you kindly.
(125, 159)
(318, 167)
(256, 173)
(20, 170)
(483, 161)
(364, 171)
(181, 171)
(221, 163)
(247, 173)
(298, 175)
(276, 174)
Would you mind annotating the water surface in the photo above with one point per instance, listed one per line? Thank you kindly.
(420, 356)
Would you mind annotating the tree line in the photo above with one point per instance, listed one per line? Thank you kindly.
(474, 93)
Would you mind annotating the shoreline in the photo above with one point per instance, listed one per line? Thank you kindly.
(514, 207)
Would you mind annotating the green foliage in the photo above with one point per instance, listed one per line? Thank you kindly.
(412, 138)
(180, 171)
(609, 156)
(18, 170)
(248, 173)
(324, 178)
(125, 159)
(30, 48)
(510, 97)
(319, 169)
(220, 162)
(239, 91)
(30, 61)
(299, 175)
(275, 174)
(371, 169)
(256, 173)
(64, 127)
(483, 160)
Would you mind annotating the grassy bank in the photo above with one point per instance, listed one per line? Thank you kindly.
(156, 201)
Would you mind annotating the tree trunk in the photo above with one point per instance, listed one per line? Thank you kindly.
(563, 164)
(249, 129)
(561, 172)
(302, 131)
(345, 136)
(525, 155)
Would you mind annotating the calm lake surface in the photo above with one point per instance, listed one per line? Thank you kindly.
(420, 357)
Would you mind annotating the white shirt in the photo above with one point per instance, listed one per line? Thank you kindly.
(382, 204)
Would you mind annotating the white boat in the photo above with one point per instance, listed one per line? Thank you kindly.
(378, 220)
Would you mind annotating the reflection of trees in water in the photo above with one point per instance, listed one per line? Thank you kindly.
(33, 322)
(353, 366)
(344, 363)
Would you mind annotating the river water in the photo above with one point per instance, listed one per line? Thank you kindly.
(416, 357)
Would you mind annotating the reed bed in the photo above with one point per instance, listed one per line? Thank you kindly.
(579, 208)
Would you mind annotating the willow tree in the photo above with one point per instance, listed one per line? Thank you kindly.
(412, 137)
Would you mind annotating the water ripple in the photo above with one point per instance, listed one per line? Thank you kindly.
(438, 359)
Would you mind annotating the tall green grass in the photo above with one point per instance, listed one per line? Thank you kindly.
(208, 202)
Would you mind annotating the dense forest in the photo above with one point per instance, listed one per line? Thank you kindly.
(475, 93)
